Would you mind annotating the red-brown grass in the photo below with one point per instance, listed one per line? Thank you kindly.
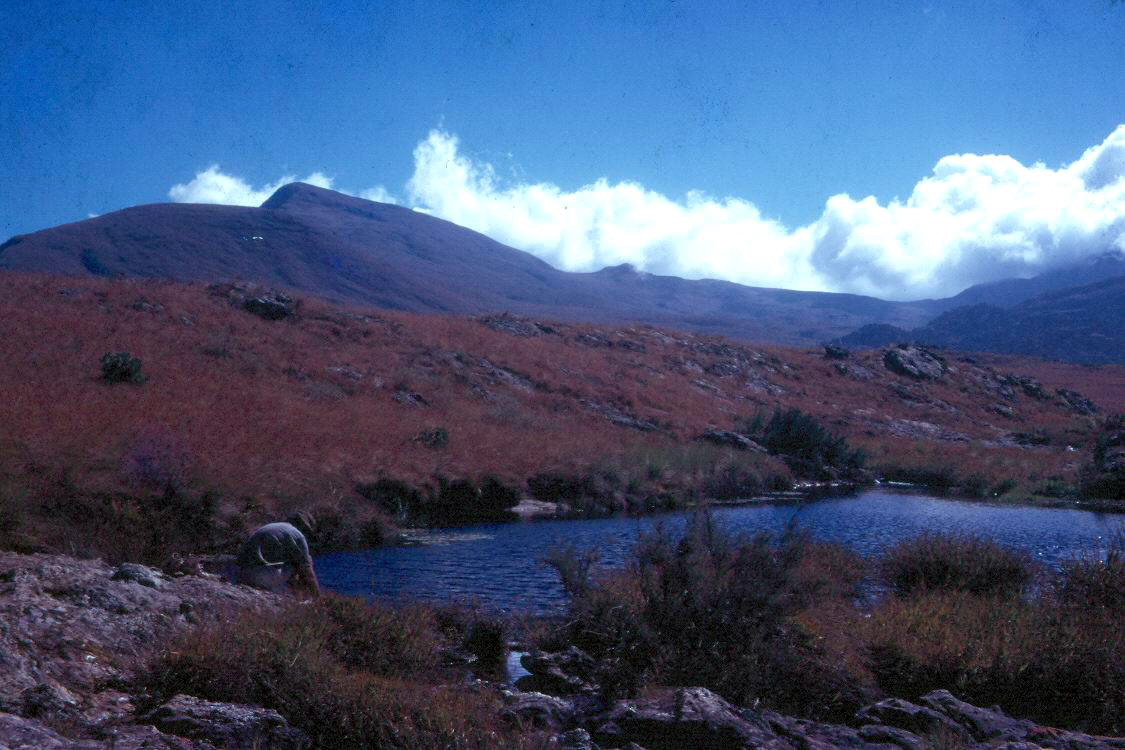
(296, 413)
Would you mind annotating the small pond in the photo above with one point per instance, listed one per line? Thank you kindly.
(500, 566)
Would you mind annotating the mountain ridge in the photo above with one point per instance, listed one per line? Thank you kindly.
(1078, 324)
(350, 250)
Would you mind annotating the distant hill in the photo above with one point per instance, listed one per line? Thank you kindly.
(1011, 292)
(1081, 324)
(349, 250)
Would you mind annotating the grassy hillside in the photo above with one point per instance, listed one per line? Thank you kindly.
(271, 416)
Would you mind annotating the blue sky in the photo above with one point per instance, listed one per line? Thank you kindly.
(778, 105)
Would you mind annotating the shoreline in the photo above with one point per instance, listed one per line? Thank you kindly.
(531, 510)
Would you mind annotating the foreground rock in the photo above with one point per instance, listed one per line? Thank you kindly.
(226, 724)
(698, 718)
(690, 717)
(72, 634)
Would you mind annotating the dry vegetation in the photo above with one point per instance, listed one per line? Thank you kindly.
(778, 620)
(248, 418)
(350, 675)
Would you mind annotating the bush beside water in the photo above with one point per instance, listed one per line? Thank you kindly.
(778, 620)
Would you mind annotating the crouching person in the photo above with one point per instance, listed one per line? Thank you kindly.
(276, 558)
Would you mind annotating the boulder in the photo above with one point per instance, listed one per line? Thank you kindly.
(853, 370)
(831, 351)
(902, 714)
(914, 362)
(880, 734)
(985, 724)
(271, 306)
(557, 673)
(409, 398)
(137, 573)
(226, 724)
(538, 709)
(48, 699)
(20, 733)
(803, 733)
(1003, 410)
(687, 717)
(515, 326)
(576, 739)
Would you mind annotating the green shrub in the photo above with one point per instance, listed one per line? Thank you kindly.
(487, 639)
(731, 481)
(497, 497)
(331, 528)
(436, 438)
(807, 447)
(937, 562)
(454, 501)
(122, 367)
(392, 495)
(596, 491)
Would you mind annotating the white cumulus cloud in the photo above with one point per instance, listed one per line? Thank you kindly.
(975, 218)
(213, 186)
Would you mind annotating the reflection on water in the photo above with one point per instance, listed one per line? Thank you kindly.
(500, 565)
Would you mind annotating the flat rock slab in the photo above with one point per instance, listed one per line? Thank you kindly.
(226, 724)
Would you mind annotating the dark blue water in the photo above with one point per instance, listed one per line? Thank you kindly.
(500, 565)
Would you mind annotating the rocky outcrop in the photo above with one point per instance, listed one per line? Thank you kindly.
(270, 304)
(689, 717)
(980, 727)
(618, 416)
(73, 632)
(515, 326)
(1030, 386)
(914, 362)
(696, 717)
(22, 733)
(853, 370)
(731, 439)
(141, 574)
(901, 714)
(1076, 401)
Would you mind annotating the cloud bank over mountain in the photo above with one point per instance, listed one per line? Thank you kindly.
(975, 218)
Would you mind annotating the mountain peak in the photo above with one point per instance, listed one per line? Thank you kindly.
(302, 192)
(621, 269)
